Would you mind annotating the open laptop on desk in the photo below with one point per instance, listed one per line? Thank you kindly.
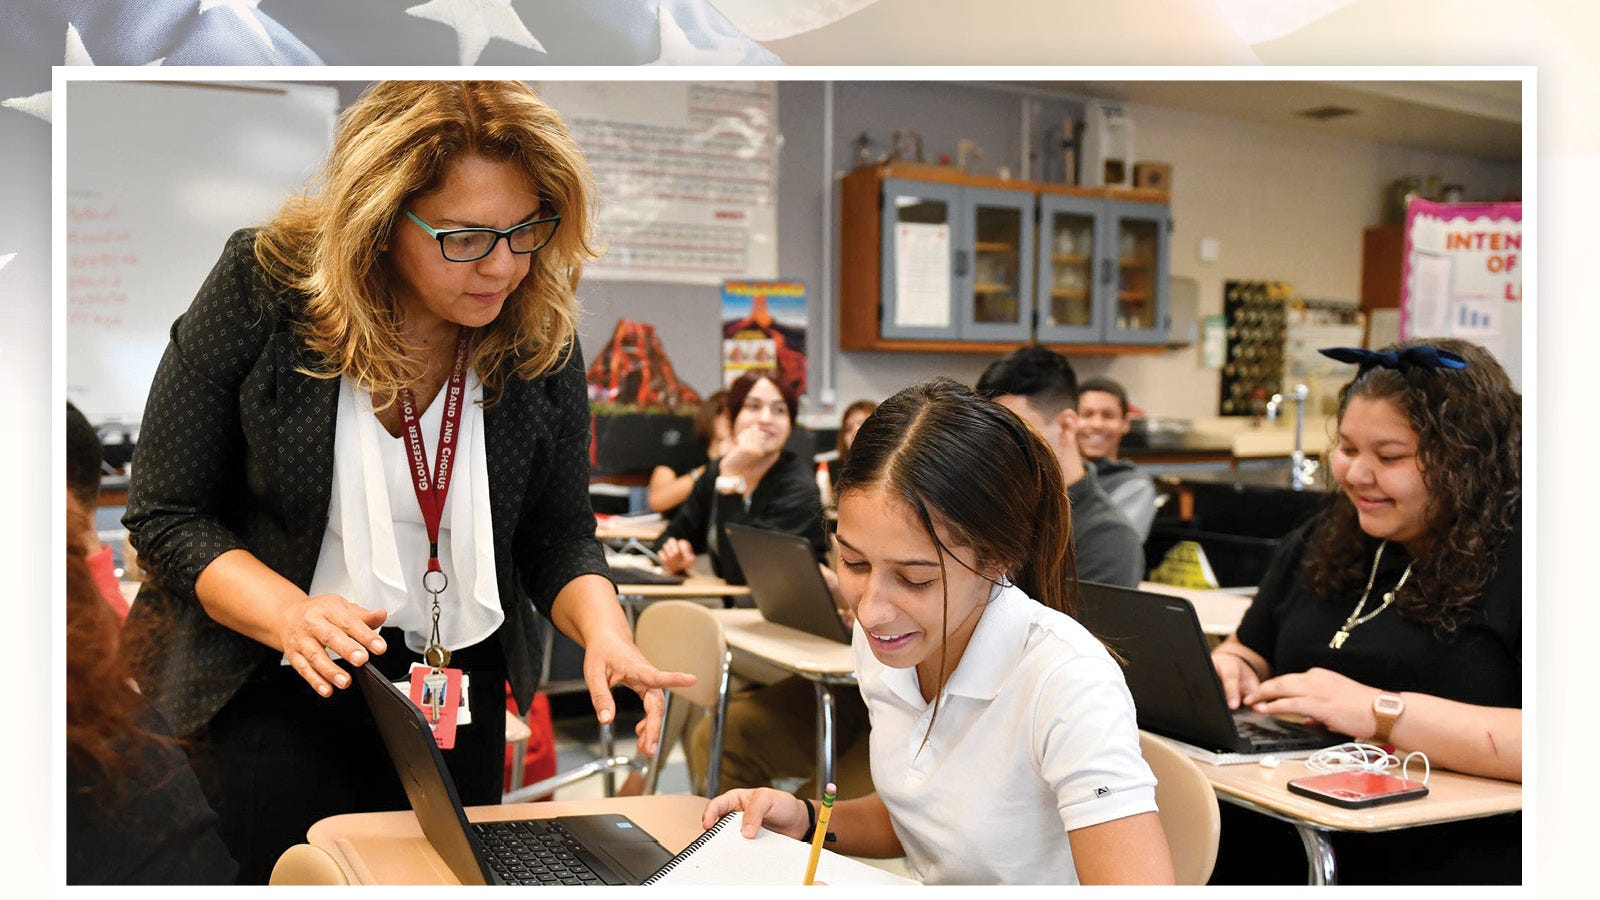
(783, 576)
(598, 849)
(1175, 689)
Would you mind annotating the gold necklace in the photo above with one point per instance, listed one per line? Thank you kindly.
(1356, 618)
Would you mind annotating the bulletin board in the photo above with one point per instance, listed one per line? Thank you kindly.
(688, 176)
(157, 176)
(1463, 276)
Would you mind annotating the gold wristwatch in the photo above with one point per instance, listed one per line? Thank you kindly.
(1386, 708)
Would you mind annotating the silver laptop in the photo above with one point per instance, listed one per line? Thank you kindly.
(785, 581)
(1176, 691)
(597, 849)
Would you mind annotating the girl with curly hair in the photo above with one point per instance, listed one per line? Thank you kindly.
(1395, 615)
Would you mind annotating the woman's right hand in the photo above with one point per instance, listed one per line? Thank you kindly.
(676, 555)
(1239, 680)
(326, 622)
(763, 808)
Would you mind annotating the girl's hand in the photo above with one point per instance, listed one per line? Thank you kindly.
(750, 454)
(327, 622)
(1342, 704)
(676, 555)
(1239, 680)
(763, 808)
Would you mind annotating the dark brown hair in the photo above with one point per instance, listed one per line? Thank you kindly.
(866, 406)
(711, 408)
(977, 469)
(1469, 447)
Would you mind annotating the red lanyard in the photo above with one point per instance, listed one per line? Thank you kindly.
(431, 491)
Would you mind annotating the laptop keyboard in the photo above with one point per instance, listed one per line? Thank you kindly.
(1266, 733)
(535, 852)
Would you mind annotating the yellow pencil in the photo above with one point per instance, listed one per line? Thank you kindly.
(821, 833)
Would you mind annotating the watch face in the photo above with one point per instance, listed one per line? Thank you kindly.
(1388, 704)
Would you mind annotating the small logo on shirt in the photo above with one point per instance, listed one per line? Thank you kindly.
(1101, 791)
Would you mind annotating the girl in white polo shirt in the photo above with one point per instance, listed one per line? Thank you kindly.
(1004, 745)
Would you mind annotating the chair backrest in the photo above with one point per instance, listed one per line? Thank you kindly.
(1188, 809)
(305, 864)
(680, 636)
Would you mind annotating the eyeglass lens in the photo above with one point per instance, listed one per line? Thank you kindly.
(466, 246)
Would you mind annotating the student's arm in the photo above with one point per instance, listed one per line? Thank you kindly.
(862, 825)
(1477, 740)
(667, 489)
(1131, 850)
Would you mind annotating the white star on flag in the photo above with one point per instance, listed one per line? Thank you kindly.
(475, 22)
(246, 11)
(76, 55)
(676, 49)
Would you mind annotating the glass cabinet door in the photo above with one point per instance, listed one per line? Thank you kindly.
(922, 229)
(1069, 289)
(996, 274)
(1138, 311)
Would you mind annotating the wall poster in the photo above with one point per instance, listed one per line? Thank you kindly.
(688, 176)
(764, 327)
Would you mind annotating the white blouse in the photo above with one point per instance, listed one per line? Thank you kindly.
(375, 549)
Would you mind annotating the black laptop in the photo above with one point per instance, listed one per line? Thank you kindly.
(785, 581)
(597, 849)
(1175, 689)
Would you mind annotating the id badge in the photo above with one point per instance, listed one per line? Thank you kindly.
(439, 700)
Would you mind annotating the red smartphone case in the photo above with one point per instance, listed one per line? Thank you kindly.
(1354, 790)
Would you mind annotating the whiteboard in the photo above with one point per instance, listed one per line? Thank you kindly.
(157, 176)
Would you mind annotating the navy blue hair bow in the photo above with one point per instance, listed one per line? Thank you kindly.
(1419, 356)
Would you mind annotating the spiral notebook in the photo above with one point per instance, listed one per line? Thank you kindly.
(723, 855)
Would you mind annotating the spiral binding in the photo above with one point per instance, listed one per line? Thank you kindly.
(701, 841)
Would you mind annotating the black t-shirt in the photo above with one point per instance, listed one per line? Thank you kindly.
(1481, 664)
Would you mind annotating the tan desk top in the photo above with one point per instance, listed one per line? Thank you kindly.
(806, 655)
(696, 585)
(389, 848)
(1451, 796)
(621, 529)
(1219, 611)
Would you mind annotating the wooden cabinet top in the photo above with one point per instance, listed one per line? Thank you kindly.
(952, 175)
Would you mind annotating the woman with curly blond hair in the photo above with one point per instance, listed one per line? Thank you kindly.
(1395, 615)
(367, 444)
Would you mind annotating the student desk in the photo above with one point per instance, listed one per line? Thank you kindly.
(824, 663)
(389, 848)
(1451, 797)
(623, 530)
(1219, 610)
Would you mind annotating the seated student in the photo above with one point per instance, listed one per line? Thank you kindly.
(135, 811)
(84, 456)
(1395, 615)
(1039, 385)
(756, 482)
(771, 731)
(1102, 422)
(854, 415)
(1003, 745)
(668, 487)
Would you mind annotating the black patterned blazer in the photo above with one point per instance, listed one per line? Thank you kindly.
(236, 451)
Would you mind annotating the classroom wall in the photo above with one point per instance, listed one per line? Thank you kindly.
(1286, 205)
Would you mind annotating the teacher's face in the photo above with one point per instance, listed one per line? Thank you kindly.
(433, 291)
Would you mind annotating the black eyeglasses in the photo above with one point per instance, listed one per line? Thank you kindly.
(469, 244)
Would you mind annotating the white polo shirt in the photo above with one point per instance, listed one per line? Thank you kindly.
(1035, 737)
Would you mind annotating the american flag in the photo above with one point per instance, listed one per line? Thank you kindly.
(38, 34)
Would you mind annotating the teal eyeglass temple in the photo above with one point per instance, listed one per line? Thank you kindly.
(527, 229)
